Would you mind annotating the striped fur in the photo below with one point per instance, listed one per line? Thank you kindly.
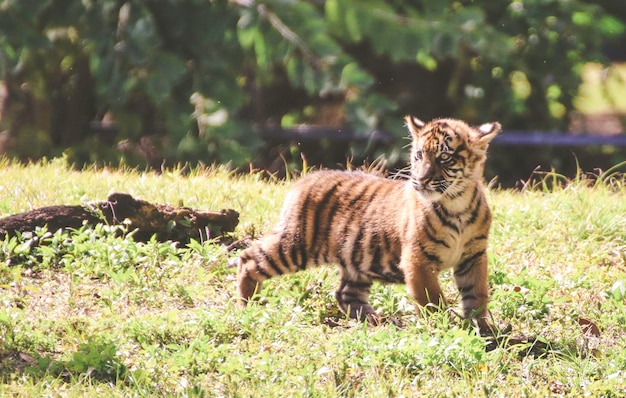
(398, 231)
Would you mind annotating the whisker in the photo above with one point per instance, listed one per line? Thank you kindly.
(403, 174)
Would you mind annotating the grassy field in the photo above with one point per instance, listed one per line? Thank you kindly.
(97, 315)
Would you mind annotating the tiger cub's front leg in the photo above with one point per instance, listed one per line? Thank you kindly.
(422, 280)
(471, 277)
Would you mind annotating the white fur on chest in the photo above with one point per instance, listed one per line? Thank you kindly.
(450, 257)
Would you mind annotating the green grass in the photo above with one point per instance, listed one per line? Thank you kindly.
(97, 315)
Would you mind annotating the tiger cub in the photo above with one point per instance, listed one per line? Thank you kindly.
(398, 231)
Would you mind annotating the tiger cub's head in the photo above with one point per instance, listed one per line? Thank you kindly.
(447, 155)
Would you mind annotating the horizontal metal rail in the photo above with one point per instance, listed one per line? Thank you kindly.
(540, 138)
(507, 137)
(308, 133)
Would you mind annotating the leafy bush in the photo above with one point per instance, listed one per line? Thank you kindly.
(205, 76)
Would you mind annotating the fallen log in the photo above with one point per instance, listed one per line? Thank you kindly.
(143, 218)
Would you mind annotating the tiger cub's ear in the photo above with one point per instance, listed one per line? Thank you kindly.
(486, 132)
(414, 125)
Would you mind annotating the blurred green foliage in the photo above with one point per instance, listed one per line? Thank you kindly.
(203, 76)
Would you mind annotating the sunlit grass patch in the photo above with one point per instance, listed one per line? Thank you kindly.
(93, 313)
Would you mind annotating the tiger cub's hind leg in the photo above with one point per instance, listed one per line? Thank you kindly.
(264, 260)
(353, 299)
(256, 264)
(250, 277)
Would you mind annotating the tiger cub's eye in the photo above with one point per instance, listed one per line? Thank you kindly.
(445, 157)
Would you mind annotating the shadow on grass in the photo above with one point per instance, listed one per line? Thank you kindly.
(534, 346)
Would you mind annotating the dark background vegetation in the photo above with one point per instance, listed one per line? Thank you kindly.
(161, 82)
